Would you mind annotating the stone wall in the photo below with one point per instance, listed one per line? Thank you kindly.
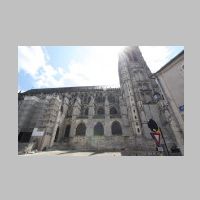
(108, 143)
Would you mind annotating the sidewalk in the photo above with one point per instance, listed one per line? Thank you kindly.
(72, 153)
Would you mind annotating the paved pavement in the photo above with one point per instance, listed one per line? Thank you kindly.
(72, 153)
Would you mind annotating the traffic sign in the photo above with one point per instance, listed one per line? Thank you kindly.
(156, 136)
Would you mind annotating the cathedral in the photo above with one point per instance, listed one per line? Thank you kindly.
(98, 118)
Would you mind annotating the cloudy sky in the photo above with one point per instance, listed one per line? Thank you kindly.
(66, 66)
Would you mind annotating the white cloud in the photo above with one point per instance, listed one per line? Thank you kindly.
(34, 61)
(98, 67)
(155, 56)
(30, 59)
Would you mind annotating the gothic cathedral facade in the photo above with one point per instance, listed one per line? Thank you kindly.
(99, 118)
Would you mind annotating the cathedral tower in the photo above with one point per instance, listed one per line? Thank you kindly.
(143, 97)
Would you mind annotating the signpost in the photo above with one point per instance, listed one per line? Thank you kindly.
(156, 135)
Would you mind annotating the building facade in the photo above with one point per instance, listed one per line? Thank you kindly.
(171, 81)
(99, 118)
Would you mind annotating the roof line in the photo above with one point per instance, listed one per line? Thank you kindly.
(64, 89)
(179, 54)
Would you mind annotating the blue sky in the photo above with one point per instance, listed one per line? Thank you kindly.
(66, 66)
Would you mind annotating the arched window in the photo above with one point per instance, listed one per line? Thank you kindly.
(61, 109)
(100, 111)
(98, 129)
(89, 99)
(113, 111)
(86, 111)
(100, 98)
(111, 99)
(81, 129)
(67, 131)
(85, 99)
(69, 112)
(82, 110)
(116, 128)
